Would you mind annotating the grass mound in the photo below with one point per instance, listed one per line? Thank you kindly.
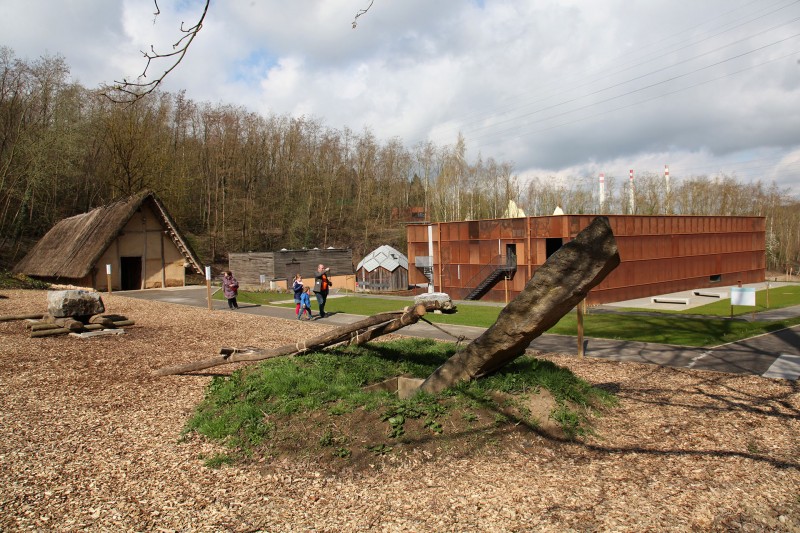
(20, 281)
(315, 407)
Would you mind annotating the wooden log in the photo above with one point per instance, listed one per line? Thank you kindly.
(336, 336)
(69, 323)
(390, 327)
(49, 332)
(42, 327)
(28, 316)
(555, 288)
(102, 320)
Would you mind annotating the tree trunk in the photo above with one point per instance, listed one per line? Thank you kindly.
(358, 333)
(556, 288)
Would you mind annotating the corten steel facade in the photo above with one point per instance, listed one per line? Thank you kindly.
(659, 254)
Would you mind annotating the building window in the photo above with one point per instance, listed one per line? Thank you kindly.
(716, 278)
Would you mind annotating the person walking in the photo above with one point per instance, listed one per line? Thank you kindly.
(230, 288)
(297, 287)
(322, 285)
(305, 303)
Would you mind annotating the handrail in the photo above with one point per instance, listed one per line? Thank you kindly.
(497, 261)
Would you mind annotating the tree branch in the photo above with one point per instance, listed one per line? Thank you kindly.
(129, 91)
(362, 12)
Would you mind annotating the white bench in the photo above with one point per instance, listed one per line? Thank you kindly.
(710, 294)
(667, 300)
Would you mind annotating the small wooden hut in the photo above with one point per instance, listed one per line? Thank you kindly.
(383, 270)
(282, 265)
(136, 236)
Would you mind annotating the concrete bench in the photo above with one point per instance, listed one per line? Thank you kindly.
(710, 294)
(666, 300)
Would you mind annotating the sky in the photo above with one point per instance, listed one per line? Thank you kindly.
(562, 89)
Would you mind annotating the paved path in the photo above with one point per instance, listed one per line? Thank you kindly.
(774, 355)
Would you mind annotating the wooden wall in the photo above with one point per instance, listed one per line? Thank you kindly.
(284, 264)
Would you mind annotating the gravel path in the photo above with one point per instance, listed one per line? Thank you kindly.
(89, 440)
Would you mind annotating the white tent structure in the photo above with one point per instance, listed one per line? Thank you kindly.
(382, 270)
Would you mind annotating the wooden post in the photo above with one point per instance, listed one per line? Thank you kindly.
(768, 295)
(108, 277)
(580, 328)
(208, 287)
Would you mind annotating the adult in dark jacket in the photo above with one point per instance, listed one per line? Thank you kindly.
(322, 285)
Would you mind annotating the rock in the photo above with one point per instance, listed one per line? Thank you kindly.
(442, 299)
(61, 304)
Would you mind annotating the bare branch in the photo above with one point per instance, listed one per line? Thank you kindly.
(129, 91)
(362, 12)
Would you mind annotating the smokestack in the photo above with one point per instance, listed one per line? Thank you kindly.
(602, 195)
(630, 193)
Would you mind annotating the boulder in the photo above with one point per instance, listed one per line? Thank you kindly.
(441, 300)
(75, 303)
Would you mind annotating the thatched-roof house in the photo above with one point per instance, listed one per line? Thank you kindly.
(136, 236)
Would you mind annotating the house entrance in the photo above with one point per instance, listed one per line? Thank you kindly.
(130, 273)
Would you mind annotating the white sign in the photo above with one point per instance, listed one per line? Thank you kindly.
(108, 269)
(208, 273)
(262, 278)
(743, 296)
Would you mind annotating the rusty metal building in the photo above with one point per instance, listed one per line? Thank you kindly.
(494, 259)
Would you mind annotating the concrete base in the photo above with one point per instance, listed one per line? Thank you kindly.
(87, 334)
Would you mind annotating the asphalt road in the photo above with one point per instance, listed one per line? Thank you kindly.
(774, 355)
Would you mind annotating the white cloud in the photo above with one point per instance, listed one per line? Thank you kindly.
(555, 86)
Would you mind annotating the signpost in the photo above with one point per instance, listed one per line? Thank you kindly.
(743, 296)
(108, 278)
(208, 286)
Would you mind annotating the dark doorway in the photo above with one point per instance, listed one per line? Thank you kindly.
(130, 273)
(552, 245)
(511, 255)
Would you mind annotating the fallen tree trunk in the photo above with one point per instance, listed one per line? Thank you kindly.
(358, 332)
(555, 288)
(28, 316)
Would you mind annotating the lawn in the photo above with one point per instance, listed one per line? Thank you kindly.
(708, 325)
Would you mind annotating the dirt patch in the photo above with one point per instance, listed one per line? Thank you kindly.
(90, 440)
(363, 440)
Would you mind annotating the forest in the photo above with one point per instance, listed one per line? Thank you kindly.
(235, 180)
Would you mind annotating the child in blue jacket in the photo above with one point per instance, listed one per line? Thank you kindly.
(305, 304)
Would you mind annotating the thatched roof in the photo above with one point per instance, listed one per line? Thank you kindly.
(73, 246)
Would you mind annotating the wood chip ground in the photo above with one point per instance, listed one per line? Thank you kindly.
(90, 441)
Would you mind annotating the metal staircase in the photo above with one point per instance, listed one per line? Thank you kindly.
(490, 274)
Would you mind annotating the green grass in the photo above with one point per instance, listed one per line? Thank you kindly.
(668, 329)
(238, 410)
(662, 327)
(20, 281)
(779, 297)
(255, 297)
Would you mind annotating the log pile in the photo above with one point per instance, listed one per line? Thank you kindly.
(71, 311)
(47, 325)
